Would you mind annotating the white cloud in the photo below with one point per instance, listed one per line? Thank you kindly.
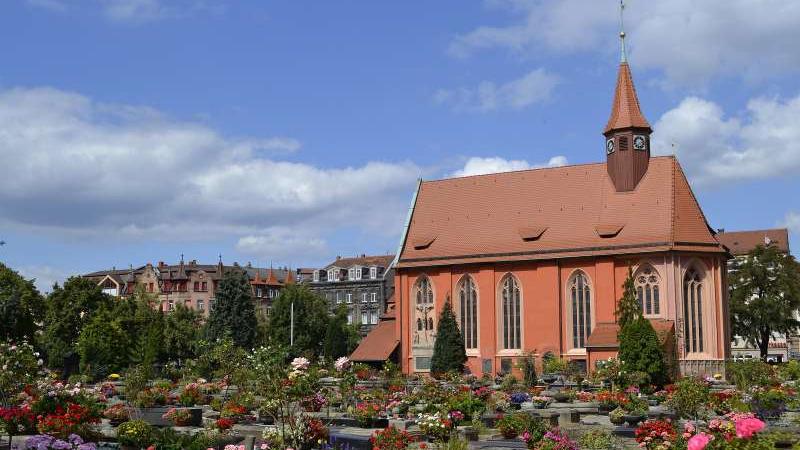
(44, 276)
(283, 244)
(792, 221)
(496, 164)
(764, 142)
(690, 41)
(75, 167)
(137, 11)
(534, 87)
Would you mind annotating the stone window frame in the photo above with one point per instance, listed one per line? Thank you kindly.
(471, 339)
(517, 317)
(577, 317)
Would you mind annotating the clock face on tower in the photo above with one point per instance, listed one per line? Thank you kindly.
(610, 146)
(639, 142)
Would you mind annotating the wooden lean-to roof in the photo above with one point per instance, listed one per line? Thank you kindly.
(556, 212)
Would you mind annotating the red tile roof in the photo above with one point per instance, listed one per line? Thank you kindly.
(604, 335)
(625, 111)
(479, 218)
(364, 261)
(742, 242)
(379, 344)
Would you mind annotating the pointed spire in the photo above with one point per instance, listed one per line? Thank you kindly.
(625, 111)
(623, 53)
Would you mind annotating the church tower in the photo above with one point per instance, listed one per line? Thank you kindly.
(627, 132)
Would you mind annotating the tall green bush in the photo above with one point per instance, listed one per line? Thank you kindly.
(234, 314)
(641, 351)
(449, 354)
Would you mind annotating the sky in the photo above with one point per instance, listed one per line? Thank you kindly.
(286, 133)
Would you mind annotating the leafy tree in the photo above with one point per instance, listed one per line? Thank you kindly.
(234, 313)
(310, 320)
(449, 354)
(103, 345)
(68, 310)
(336, 337)
(628, 308)
(21, 306)
(180, 333)
(641, 351)
(765, 295)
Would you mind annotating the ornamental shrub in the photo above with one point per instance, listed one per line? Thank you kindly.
(449, 354)
(640, 351)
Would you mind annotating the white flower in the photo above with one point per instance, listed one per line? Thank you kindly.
(342, 363)
(300, 363)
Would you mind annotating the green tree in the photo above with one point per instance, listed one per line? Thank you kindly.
(449, 354)
(21, 306)
(180, 333)
(234, 314)
(68, 309)
(641, 351)
(765, 295)
(103, 345)
(628, 308)
(336, 337)
(310, 320)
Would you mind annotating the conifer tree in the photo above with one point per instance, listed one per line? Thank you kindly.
(641, 351)
(628, 308)
(449, 354)
(336, 336)
(234, 313)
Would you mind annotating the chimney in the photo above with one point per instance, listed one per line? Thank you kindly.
(161, 264)
(363, 255)
(338, 257)
(720, 230)
(193, 262)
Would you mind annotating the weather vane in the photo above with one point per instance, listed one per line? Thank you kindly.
(624, 56)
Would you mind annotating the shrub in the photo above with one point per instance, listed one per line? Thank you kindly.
(134, 433)
(690, 398)
(449, 354)
(527, 364)
(390, 438)
(640, 351)
(750, 373)
(596, 440)
(511, 425)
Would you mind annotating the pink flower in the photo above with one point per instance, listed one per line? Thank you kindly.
(698, 441)
(746, 428)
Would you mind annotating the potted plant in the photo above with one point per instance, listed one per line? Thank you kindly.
(541, 401)
(118, 413)
(510, 426)
(435, 427)
(134, 434)
(390, 438)
(518, 398)
(366, 414)
(181, 417)
(635, 410)
(617, 416)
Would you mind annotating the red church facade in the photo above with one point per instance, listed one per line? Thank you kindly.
(534, 260)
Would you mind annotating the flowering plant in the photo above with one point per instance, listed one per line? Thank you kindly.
(435, 426)
(191, 395)
(366, 412)
(17, 420)
(511, 425)
(390, 438)
(519, 397)
(178, 416)
(45, 442)
(769, 403)
(734, 430)
(223, 424)
(19, 365)
(135, 433)
(300, 364)
(302, 432)
(75, 419)
(556, 440)
(541, 401)
(584, 396)
(342, 364)
(656, 434)
(118, 412)
(314, 402)
(456, 416)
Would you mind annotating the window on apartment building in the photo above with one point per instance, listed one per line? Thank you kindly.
(357, 273)
(316, 276)
(364, 317)
(171, 305)
(363, 297)
(196, 286)
(373, 318)
(258, 293)
(211, 304)
(333, 275)
(351, 273)
(373, 272)
(350, 318)
(201, 305)
(374, 297)
(204, 286)
(349, 297)
(150, 287)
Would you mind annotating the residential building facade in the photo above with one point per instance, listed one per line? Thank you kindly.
(361, 284)
(191, 284)
(740, 244)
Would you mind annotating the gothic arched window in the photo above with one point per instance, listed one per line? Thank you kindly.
(648, 291)
(423, 311)
(580, 298)
(468, 312)
(510, 314)
(693, 311)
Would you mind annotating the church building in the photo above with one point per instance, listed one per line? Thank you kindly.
(534, 261)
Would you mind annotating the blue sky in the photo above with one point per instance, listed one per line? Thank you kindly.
(289, 132)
